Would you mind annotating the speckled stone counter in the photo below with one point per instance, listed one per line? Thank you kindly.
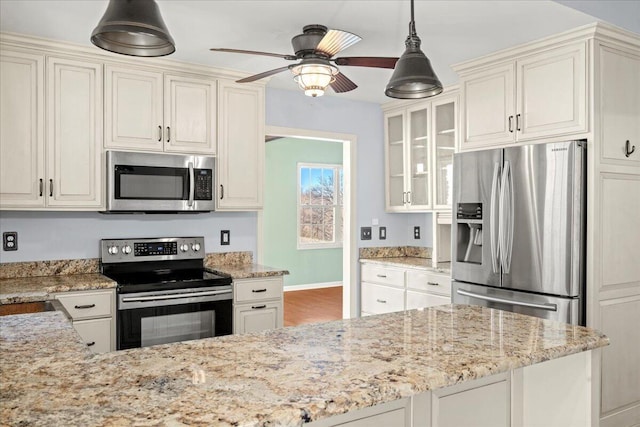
(246, 271)
(283, 377)
(413, 262)
(32, 289)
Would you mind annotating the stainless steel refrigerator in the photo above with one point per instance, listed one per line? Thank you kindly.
(518, 229)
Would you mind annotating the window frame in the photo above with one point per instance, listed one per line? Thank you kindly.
(339, 208)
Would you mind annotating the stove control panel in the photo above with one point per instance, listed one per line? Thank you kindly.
(156, 249)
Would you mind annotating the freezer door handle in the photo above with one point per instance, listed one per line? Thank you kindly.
(506, 212)
(493, 219)
(548, 307)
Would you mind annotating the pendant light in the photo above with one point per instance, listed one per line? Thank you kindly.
(133, 27)
(413, 76)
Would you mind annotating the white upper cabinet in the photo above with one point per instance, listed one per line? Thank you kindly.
(420, 140)
(536, 96)
(241, 146)
(56, 164)
(151, 111)
(21, 129)
(620, 105)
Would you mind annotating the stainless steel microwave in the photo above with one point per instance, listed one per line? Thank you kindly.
(150, 182)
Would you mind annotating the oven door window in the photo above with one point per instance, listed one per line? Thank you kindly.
(151, 183)
(143, 327)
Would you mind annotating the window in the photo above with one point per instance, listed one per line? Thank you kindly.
(320, 194)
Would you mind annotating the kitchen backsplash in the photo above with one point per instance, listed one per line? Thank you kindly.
(395, 251)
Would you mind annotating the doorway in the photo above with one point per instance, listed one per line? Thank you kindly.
(349, 249)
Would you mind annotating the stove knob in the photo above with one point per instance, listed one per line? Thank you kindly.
(113, 250)
(126, 250)
(184, 247)
(195, 247)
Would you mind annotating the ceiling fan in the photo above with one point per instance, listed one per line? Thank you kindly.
(314, 49)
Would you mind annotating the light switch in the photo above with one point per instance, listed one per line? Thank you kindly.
(383, 233)
(225, 237)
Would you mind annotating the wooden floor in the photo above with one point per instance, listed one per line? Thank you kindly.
(313, 305)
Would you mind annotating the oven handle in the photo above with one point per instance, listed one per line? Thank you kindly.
(175, 296)
(192, 184)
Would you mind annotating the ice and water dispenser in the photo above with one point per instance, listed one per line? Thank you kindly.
(469, 223)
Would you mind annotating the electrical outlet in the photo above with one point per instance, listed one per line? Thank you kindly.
(383, 233)
(416, 232)
(225, 237)
(10, 241)
(365, 233)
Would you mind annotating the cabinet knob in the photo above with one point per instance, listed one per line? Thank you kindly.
(168, 134)
(159, 133)
(221, 191)
(518, 122)
(511, 124)
(628, 148)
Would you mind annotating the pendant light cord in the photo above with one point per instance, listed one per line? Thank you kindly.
(412, 24)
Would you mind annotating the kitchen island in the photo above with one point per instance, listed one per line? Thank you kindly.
(327, 373)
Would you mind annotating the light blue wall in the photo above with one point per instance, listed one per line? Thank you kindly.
(305, 266)
(365, 120)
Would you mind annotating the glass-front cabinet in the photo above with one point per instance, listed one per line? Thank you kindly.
(420, 139)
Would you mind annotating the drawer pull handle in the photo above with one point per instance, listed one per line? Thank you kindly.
(433, 284)
(384, 276)
(82, 307)
(258, 290)
(92, 343)
(258, 307)
(628, 149)
(42, 186)
(381, 301)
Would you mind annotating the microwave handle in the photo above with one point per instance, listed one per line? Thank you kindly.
(192, 184)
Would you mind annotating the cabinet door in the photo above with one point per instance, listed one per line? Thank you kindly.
(395, 195)
(133, 119)
(488, 101)
(256, 317)
(74, 132)
(444, 124)
(424, 299)
(190, 115)
(418, 163)
(241, 146)
(21, 129)
(552, 93)
(619, 104)
(96, 334)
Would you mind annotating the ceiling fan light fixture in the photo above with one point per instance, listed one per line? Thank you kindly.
(314, 77)
(134, 28)
(413, 76)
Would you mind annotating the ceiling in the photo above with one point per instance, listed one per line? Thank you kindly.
(451, 31)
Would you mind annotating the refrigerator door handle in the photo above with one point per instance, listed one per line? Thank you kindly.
(494, 218)
(505, 231)
(548, 307)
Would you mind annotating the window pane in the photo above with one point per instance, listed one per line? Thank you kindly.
(340, 187)
(317, 215)
(305, 185)
(305, 233)
(317, 232)
(328, 190)
(305, 216)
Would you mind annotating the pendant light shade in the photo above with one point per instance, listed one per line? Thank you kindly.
(133, 27)
(413, 76)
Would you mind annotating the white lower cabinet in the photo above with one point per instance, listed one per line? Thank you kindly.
(386, 288)
(93, 317)
(257, 304)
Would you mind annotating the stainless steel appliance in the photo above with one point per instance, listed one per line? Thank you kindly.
(152, 182)
(518, 229)
(164, 293)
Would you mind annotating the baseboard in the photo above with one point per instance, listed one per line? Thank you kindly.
(312, 286)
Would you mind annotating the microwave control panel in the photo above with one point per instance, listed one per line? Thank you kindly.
(203, 184)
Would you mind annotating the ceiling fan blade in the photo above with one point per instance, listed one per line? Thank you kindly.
(335, 41)
(367, 61)
(342, 84)
(254, 52)
(262, 75)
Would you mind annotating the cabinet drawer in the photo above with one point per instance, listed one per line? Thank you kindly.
(425, 299)
(88, 305)
(429, 282)
(95, 333)
(257, 289)
(378, 299)
(383, 275)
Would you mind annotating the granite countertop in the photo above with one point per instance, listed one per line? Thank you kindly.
(246, 271)
(41, 288)
(409, 261)
(282, 377)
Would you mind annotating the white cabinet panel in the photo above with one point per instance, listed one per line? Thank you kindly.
(423, 299)
(620, 104)
(378, 299)
(383, 275)
(95, 333)
(21, 129)
(257, 317)
(134, 112)
(87, 305)
(426, 281)
(257, 289)
(74, 133)
(190, 115)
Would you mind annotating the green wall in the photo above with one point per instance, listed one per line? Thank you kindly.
(309, 265)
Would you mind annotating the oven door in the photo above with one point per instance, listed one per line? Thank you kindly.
(146, 182)
(151, 318)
